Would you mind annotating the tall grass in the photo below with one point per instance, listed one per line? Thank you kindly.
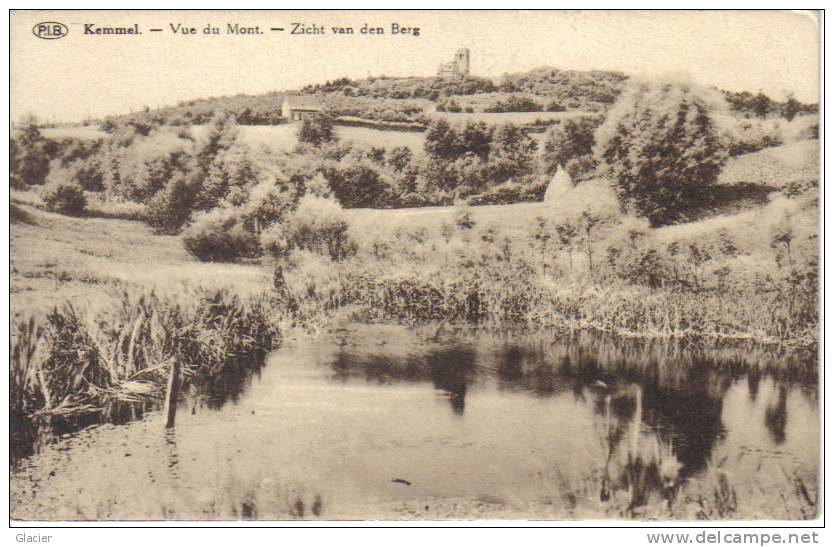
(77, 361)
(743, 279)
(99, 207)
(484, 296)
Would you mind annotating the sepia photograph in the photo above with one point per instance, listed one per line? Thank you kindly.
(415, 266)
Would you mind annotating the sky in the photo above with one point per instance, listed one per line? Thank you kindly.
(82, 76)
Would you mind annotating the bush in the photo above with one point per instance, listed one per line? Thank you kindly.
(317, 225)
(268, 202)
(219, 235)
(64, 197)
(661, 146)
(514, 103)
(357, 183)
(568, 141)
(169, 209)
(316, 129)
(749, 136)
(86, 173)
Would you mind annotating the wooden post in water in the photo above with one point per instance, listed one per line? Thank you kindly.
(638, 420)
(171, 394)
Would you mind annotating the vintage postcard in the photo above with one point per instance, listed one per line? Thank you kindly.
(415, 265)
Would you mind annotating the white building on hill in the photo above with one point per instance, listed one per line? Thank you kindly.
(298, 107)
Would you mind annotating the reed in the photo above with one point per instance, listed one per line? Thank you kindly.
(736, 278)
(499, 295)
(76, 361)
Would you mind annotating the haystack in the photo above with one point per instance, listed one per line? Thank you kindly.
(560, 185)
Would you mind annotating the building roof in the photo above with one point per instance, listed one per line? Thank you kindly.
(302, 102)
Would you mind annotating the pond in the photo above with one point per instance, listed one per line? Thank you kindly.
(449, 422)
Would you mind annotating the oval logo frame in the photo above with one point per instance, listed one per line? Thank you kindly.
(50, 30)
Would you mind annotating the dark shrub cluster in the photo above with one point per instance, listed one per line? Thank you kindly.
(64, 197)
(219, 235)
(317, 225)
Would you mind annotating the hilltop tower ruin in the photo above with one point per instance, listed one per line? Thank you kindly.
(457, 67)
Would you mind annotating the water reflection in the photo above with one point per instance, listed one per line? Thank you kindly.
(689, 417)
(451, 371)
(659, 404)
(776, 416)
(753, 380)
(226, 384)
(385, 415)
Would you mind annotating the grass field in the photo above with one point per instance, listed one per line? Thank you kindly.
(509, 218)
(748, 229)
(775, 167)
(55, 258)
(89, 132)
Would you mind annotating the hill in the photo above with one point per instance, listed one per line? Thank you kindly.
(577, 90)
(402, 99)
(409, 99)
(776, 167)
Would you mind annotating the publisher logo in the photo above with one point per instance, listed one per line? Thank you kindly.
(50, 30)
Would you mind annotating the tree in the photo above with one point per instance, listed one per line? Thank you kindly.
(268, 202)
(399, 158)
(64, 197)
(511, 154)
(440, 140)
(660, 146)
(474, 137)
(231, 169)
(316, 129)
(567, 141)
(222, 134)
(588, 221)
(762, 105)
(87, 173)
(540, 232)
(356, 183)
(566, 233)
(170, 208)
(29, 156)
(791, 108)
